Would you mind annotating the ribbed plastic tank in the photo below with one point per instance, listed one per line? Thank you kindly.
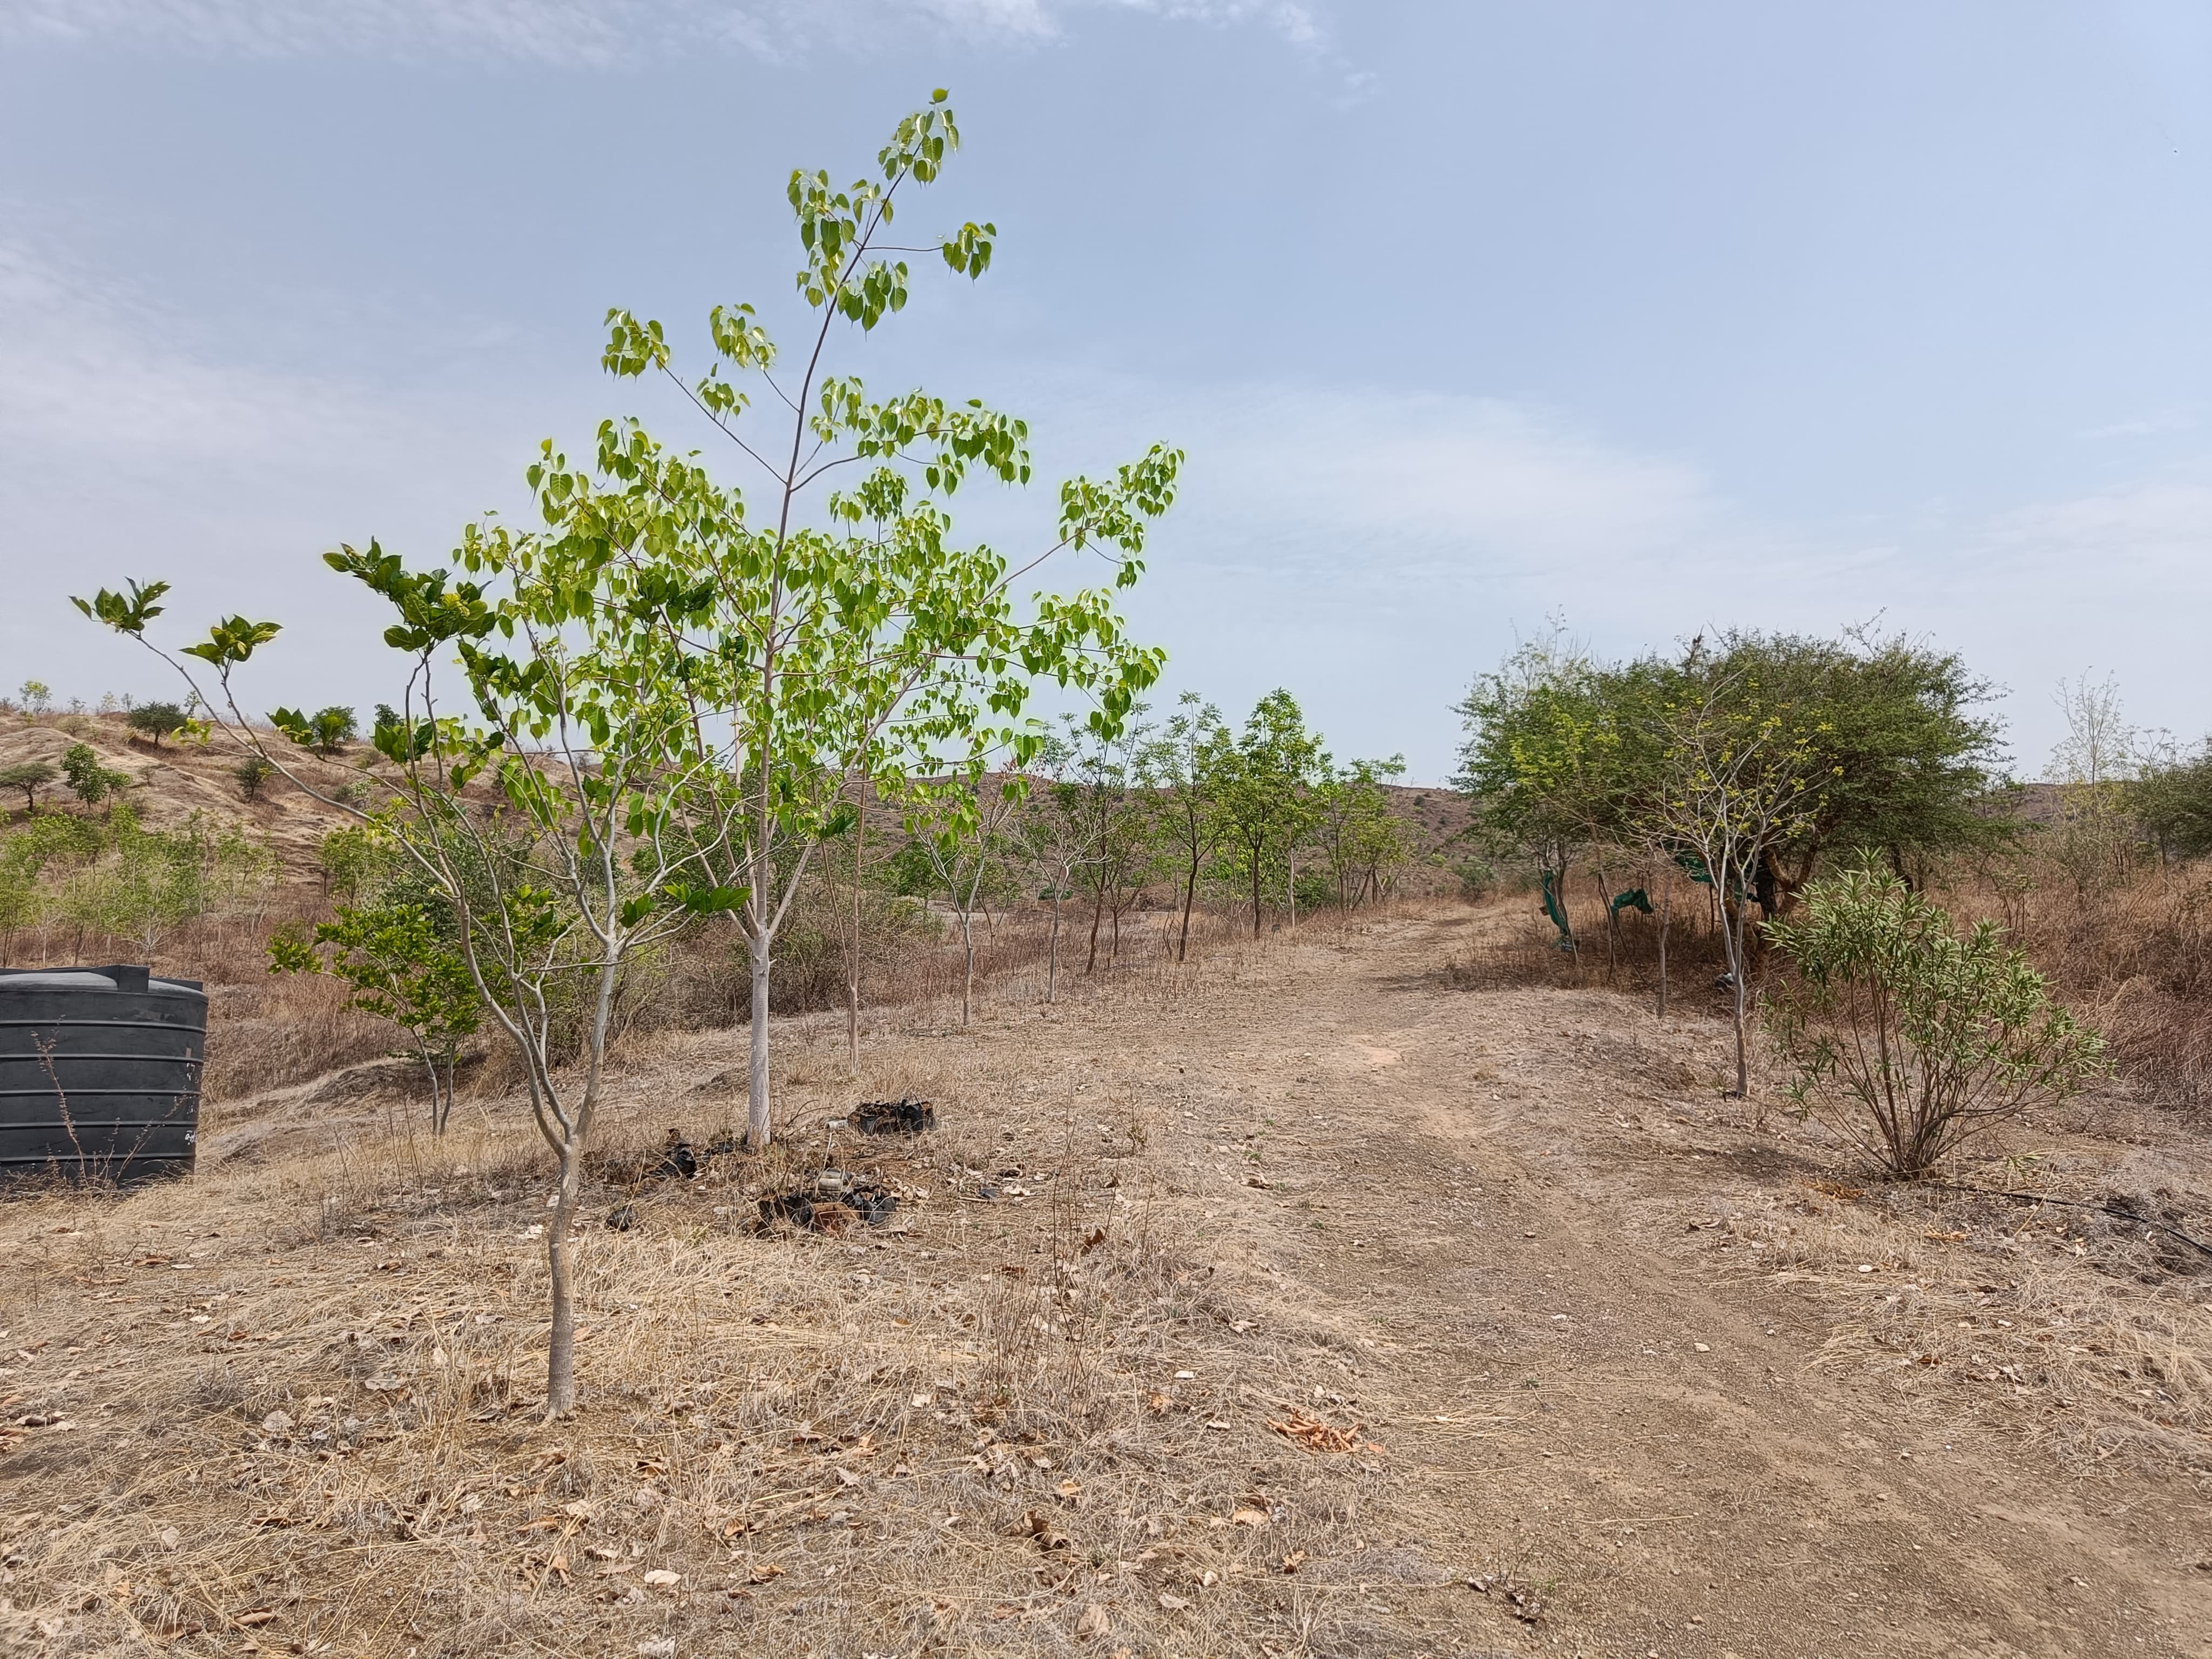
(100, 1071)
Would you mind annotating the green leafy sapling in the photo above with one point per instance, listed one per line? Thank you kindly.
(88, 781)
(672, 701)
(325, 732)
(251, 774)
(400, 960)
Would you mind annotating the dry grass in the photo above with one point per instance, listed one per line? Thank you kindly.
(291, 1404)
(2135, 958)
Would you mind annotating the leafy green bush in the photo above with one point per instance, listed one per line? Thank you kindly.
(354, 863)
(112, 876)
(252, 773)
(327, 731)
(1908, 1038)
(405, 964)
(2173, 800)
(88, 781)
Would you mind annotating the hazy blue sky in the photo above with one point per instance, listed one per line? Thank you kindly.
(1655, 316)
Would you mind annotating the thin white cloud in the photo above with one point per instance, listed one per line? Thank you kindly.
(1375, 548)
(1371, 548)
(131, 453)
(90, 369)
(582, 32)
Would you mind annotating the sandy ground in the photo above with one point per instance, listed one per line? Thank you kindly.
(1623, 1372)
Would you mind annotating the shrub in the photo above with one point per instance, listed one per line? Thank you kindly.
(354, 863)
(1908, 1038)
(156, 719)
(333, 728)
(404, 965)
(88, 781)
(327, 732)
(2173, 800)
(252, 773)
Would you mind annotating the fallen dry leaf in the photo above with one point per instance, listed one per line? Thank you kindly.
(1315, 1435)
(1093, 1624)
(1250, 1517)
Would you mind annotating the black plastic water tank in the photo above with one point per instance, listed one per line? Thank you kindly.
(100, 1071)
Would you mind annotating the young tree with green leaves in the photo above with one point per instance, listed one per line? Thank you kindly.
(665, 694)
(1113, 797)
(1182, 761)
(1261, 783)
(1544, 758)
(1358, 834)
(401, 960)
(251, 774)
(327, 732)
(29, 777)
(611, 796)
(962, 835)
(859, 644)
(1057, 840)
(88, 781)
(156, 720)
(1742, 778)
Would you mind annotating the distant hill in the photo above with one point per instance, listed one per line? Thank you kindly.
(169, 783)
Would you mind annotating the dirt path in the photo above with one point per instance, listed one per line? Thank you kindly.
(1508, 1196)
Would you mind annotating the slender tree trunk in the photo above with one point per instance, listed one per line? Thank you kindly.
(1190, 893)
(560, 1346)
(1257, 849)
(1052, 949)
(1291, 890)
(1666, 904)
(1738, 972)
(576, 1130)
(431, 1065)
(967, 953)
(1742, 1056)
(1097, 909)
(1605, 897)
(852, 979)
(756, 1124)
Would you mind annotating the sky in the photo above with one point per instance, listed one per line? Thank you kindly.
(1654, 319)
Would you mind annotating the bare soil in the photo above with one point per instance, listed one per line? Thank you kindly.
(1292, 1303)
